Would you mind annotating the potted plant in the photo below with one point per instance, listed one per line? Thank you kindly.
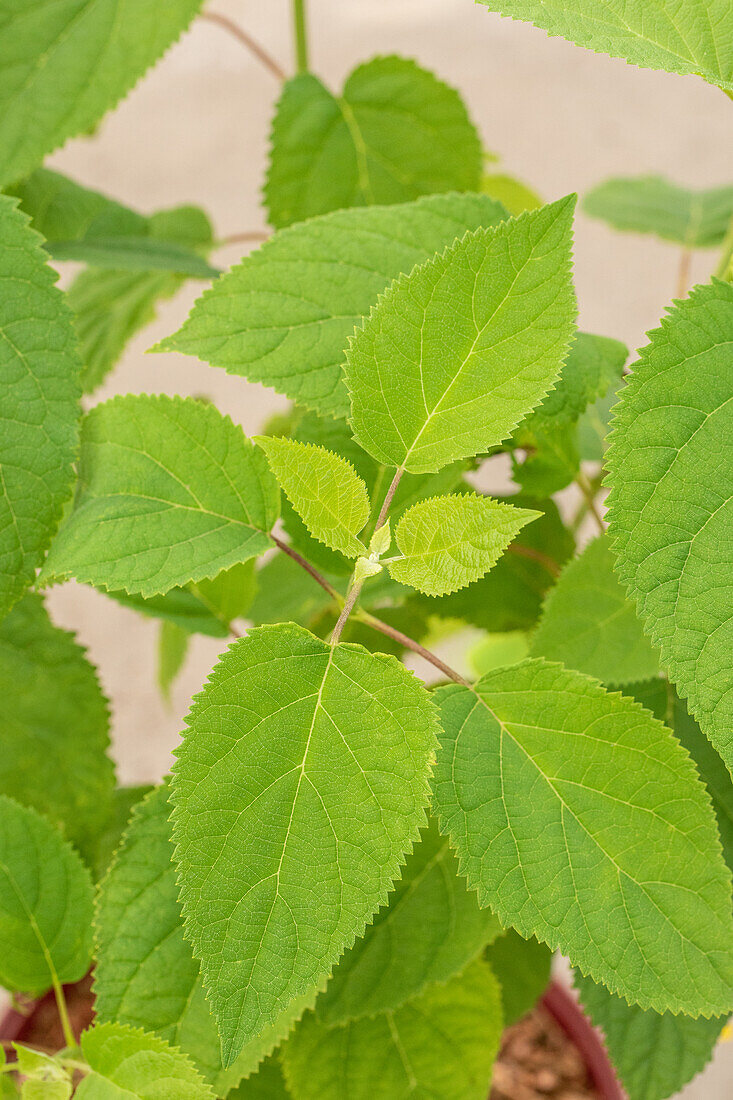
(354, 877)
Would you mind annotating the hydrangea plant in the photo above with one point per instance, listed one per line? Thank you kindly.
(352, 880)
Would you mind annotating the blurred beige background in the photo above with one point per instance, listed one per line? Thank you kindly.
(196, 130)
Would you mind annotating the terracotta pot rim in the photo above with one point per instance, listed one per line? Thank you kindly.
(563, 1008)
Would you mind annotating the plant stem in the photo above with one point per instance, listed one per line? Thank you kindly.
(301, 36)
(58, 992)
(535, 555)
(388, 498)
(587, 490)
(242, 36)
(309, 569)
(683, 273)
(723, 270)
(243, 238)
(352, 597)
(409, 643)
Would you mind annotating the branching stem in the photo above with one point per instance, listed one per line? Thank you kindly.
(317, 577)
(389, 498)
(246, 39)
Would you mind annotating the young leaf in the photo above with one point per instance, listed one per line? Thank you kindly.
(509, 597)
(660, 698)
(431, 928)
(173, 644)
(670, 464)
(45, 903)
(588, 623)
(300, 785)
(654, 1055)
(324, 489)
(653, 204)
(555, 794)
(515, 195)
(170, 492)
(678, 38)
(65, 67)
(447, 542)
(440, 1044)
(395, 133)
(146, 975)
(43, 1077)
(594, 363)
(284, 314)
(522, 968)
(455, 354)
(39, 373)
(124, 1061)
(55, 726)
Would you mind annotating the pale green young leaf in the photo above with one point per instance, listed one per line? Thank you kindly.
(653, 204)
(126, 1062)
(679, 38)
(54, 726)
(284, 314)
(324, 489)
(515, 195)
(35, 1089)
(448, 542)
(555, 794)
(300, 761)
(173, 643)
(63, 67)
(440, 1044)
(594, 363)
(39, 373)
(170, 492)
(661, 699)
(455, 354)
(509, 597)
(146, 975)
(45, 903)
(430, 929)
(670, 510)
(395, 133)
(589, 624)
(522, 968)
(654, 1055)
(496, 650)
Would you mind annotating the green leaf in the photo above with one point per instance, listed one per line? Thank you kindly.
(654, 1055)
(324, 489)
(300, 785)
(678, 38)
(588, 623)
(173, 642)
(285, 592)
(134, 254)
(441, 1044)
(653, 204)
(430, 929)
(229, 594)
(515, 195)
(551, 460)
(593, 426)
(39, 373)
(555, 794)
(284, 314)
(522, 968)
(61, 209)
(64, 67)
(146, 975)
(670, 510)
(496, 650)
(447, 542)
(55, 726)
(660, 698)
(509, 597)
(111, 306)
(267, 1084)
(45, 903)
(395, 133)
(178, 606)
(124, 800)
(200, 493)
(125, 1062)
(594, 363)
(454, 355)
